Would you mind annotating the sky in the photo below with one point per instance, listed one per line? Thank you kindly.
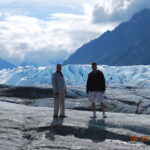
(41, 32)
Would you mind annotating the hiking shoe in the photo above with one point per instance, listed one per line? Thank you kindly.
(55, 117)
(104, 116)
(61, 116)
(94, 116)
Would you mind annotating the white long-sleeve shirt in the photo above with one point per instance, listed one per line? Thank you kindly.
(58, 82)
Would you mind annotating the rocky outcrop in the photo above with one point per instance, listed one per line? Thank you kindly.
(35, 92)
(121, 98)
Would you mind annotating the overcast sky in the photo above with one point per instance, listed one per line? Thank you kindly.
(40, 31)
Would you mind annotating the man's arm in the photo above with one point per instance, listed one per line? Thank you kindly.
(88, 84)
(65, 85)
(54, 83)
(103, 82)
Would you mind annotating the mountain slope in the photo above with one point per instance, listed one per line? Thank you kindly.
(5, 64)
(127, 44)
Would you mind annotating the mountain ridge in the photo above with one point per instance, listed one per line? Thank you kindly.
(127, 44)
(5, 64)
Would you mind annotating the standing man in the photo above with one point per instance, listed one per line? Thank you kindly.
(59, 88)
(96, 88)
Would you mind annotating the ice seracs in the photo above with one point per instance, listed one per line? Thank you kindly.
(76, 75)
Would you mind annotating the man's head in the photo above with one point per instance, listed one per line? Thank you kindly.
(59, 67)
(94, 66)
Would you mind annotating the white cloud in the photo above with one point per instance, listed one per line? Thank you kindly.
(117, 10)
(26, 37)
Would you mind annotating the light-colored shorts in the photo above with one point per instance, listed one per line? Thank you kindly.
(96, 97)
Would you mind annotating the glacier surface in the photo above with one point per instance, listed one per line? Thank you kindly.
(76, 75)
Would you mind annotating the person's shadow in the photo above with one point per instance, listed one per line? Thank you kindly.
(97, 129)
(54, 126)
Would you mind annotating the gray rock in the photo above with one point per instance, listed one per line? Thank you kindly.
(28, 128)
(27, 124)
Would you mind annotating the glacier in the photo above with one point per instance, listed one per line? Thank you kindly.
(76, 75)
(31, 124)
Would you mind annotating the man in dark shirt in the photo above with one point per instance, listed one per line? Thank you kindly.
(96, 88)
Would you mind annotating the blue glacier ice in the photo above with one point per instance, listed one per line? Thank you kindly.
(76, 75)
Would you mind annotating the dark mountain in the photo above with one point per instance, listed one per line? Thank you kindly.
(6, 64)
(127, 44)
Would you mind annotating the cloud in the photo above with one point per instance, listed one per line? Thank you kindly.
(117, 10)
(42, 31)
(38, 41)
(44, 57)
(22, 36)
(42, 8)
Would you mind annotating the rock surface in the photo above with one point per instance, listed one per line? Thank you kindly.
(127, 99)
(27, 127)
(27, 124)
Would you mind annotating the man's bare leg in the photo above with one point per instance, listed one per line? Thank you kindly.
(103, 109)
(94, 110)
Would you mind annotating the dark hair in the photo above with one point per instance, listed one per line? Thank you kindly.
(94, 63)
(59, 65)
